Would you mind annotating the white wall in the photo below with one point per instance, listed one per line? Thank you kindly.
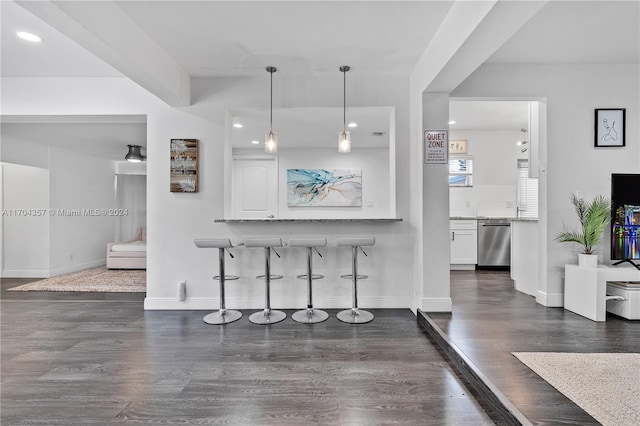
(81, 183)
(569, 161)
(25, 221)
(495, 172)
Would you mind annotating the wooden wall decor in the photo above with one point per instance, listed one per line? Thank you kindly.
(184, 165)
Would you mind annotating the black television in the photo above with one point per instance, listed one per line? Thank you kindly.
(625, 218)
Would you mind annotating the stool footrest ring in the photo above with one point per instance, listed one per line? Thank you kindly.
(350, 276)
(313, 276)
(272, 277)
(226, 277)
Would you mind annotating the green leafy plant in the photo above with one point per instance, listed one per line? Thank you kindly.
(593, 217)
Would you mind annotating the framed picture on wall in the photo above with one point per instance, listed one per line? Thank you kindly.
(458, 146)
(609, 127)
(184, 165)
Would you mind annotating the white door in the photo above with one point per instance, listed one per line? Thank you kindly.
(255, 188)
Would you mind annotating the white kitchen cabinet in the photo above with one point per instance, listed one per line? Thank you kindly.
(463, 235)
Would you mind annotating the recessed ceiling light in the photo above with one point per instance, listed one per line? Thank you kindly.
(255, 142)
(352, 125)
(452, 122)
(237, 126)
(29, 37)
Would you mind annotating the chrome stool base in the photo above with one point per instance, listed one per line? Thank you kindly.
(310, 316)
(355, 316)
(267, 316)
(222, 317)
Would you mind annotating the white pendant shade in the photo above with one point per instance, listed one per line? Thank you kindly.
(344, 142)
(271, 142)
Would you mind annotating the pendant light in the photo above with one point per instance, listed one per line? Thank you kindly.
(344, 138)
(134, 155)
(271, 138)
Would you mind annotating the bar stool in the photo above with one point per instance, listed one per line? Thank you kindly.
(268, 315)
(222, 316)
(309, 315)
(355, 315)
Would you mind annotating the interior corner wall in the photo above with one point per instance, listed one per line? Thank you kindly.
(571, 162)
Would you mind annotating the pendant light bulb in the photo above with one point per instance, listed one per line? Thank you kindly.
(344, 142)
(271, 138)
(344, 138)
(271, 142)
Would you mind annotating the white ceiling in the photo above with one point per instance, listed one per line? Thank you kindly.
(58, 56)
(232, 38)
(213, 38)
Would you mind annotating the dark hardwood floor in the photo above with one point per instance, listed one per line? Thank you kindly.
(101, 359)
(490, 320)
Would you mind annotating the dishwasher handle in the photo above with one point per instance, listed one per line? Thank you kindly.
(495, 224)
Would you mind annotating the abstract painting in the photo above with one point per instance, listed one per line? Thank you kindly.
(184, 165)
(320, 187)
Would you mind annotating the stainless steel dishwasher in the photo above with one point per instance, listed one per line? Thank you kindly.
(494, 242)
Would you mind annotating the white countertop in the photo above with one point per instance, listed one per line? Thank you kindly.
(511, 219)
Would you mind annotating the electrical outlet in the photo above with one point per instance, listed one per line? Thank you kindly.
(182, 291)
(71, 257)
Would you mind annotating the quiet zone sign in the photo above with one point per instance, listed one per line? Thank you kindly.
(436, 147)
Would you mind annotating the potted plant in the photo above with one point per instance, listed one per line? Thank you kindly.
(594, 217)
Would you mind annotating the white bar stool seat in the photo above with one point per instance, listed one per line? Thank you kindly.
(309, 315)
(267, 315)
(355, 315)
(222, 316)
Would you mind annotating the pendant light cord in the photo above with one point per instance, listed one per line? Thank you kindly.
(271, 70)
(344, 70)
(344, 101)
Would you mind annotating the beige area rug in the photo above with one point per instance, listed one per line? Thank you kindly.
(605, 385)
(98, 279)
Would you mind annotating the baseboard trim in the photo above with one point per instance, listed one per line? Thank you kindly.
(210, 303)
(25, 273)
(501, 410)
(550, 300)
(436, 304)
(48, 273)
(75, 268)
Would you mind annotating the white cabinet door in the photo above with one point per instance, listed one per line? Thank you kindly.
(464, 246)
(255, 188)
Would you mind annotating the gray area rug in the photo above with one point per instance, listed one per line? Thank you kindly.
(605, 385)
(98, 279)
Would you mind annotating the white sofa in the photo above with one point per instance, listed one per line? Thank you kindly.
(131, 254)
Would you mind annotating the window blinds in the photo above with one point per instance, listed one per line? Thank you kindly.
(527, 193)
